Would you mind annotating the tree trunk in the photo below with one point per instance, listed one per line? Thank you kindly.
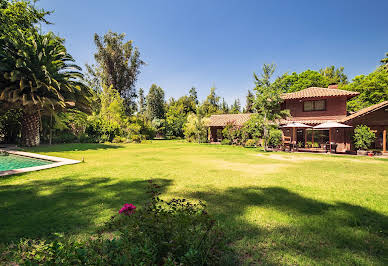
(30, 129)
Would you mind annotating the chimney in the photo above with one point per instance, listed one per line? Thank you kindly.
(333, 86)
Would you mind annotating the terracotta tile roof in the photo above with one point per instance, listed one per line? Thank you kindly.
(313, 92)
(223, 120)
(365, 111)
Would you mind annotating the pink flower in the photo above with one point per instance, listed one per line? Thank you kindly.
(127, 209)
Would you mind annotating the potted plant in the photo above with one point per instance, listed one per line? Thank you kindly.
(363, 138)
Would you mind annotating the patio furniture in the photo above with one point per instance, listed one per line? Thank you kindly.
(294, 126)
(329, 126)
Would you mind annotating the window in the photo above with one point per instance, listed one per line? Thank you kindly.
(309, 106)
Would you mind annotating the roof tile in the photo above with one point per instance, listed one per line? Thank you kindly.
(313, 92)
(365, 111)
(223, 120)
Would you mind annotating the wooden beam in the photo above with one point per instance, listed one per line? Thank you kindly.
(312, 137)
(305, 137)
(385, 140)
(330, 139)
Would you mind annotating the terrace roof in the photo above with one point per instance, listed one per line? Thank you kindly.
(315, 92)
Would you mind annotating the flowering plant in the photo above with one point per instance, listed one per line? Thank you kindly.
(127, 209)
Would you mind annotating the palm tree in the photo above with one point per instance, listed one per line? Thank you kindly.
(39, 76)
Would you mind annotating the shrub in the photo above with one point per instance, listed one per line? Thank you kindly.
(363, 137)
(250, 143)
(64, 137)
(119, 139)
(226, 142)
(232, 133)
(85, 138)
(274, 138)
(315, 145)
(195, 129)
(136, 138)
(175, 232)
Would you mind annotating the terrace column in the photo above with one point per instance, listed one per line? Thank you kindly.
(312, 137)
(385, 140)
(305, 137)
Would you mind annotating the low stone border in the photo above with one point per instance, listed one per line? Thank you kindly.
(57, 161)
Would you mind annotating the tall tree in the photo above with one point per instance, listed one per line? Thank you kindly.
(384, 61)
(268, 99)
(193, 94)
(176, 115)
(303, 80)
(224, 106)
(333, 75)
(212, 103)
(118, 65)
(142, 102)
(249, 102)
(16, 16)
(37, 74)
(236, 107)
(373, 88)
(155, 103)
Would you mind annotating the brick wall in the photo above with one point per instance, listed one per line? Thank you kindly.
(335, 109)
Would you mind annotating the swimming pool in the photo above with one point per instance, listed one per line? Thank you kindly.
(12, 161)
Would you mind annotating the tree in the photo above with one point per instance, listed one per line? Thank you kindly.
(224, 106)
(373, 89)
(212, 103)
(155, 103)
(384, 61)
(142, 102)
(37, 74)
(363, 137)
(118, 65)
(249, 103)
(176, 115)
(193, 94)
(268, 100)
(236, 107)
(334, 76)
(297, 82)
(112, 106)
(19, 16)
(195, 128)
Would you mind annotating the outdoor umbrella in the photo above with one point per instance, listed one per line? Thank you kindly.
(294, 126)
(329, 126)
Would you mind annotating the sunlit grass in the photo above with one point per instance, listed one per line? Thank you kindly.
(275, 207)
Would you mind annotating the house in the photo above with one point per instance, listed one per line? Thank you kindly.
(314, 106)
(218, 122)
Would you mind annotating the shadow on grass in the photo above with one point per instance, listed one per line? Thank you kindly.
(72, 205)
(73, 147)
(303, 230)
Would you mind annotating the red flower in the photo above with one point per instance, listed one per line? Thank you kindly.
(127, 209)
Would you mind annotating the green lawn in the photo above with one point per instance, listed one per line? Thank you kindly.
(274, 207)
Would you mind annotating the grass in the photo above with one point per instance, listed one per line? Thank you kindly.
(275, 207)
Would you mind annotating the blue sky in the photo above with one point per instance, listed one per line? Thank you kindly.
(206, 43)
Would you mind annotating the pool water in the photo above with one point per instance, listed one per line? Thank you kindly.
(12, 162)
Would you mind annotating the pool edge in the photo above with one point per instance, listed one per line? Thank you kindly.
(57, 161)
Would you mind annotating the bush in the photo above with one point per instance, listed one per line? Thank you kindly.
(119, 139)
(363, 137)
(175, 232)
(136, 138)
(226, 142)
(250, 143)
(274, 138)
(195, 129)
(85, 138)
(64, 137)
